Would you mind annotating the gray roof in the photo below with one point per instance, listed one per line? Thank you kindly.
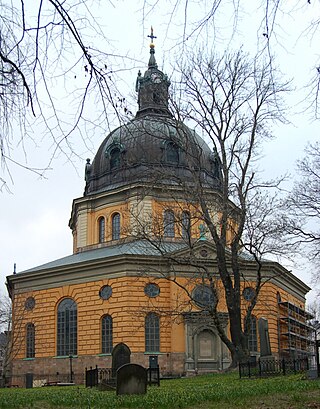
(138, 247)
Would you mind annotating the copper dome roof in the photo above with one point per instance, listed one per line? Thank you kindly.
(153, 147)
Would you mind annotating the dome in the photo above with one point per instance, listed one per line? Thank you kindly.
(153, 148)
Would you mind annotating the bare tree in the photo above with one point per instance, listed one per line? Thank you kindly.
(50, 61)
(5, 331)
(271, 24)
(13, 326)
(303, 205)
(231, 100)
(5, 314)
(314, 322)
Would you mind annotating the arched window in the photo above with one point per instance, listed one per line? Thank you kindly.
(106, 334)
(115, 157)
(101, 227)
(252, 338)
(116, 226)
(185, 225)
(30, 341)
(152, 332)
(172, 153)
(168, 223)
(67, 328)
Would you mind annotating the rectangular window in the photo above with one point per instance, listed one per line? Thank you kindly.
(116, 226)
(67, 329)
(107, 334)
(253, 344)
(30, 341)
(168, 223)
(152, 333)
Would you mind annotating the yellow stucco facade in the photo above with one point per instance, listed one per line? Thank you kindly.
(128, 309)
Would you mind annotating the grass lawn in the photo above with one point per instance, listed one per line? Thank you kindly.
(223, 391)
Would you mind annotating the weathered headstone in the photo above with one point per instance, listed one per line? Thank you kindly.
(267, 361)
(29, 380)
(265, 349)
(131, 380)
(120, 356)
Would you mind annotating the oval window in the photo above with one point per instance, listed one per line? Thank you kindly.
(106, 292)
(30, 303)
(152, 290)
(248, 293)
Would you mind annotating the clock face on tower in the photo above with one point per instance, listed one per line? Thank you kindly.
(156, 78)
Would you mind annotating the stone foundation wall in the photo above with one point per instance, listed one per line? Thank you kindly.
(58, 369)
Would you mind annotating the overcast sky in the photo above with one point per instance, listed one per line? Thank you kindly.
(34, 215)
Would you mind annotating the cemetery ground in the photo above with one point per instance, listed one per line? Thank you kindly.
(223, 391)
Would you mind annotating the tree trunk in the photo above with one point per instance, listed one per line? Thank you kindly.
(239, 351)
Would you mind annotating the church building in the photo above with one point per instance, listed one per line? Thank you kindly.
(130, 279)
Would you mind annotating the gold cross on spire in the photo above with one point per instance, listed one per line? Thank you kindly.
(151, 35)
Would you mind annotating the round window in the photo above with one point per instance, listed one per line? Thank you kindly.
(203, 296)
(106, 292)
(248, 293)
(30, 303)
(152, 290)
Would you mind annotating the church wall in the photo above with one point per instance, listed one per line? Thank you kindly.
(81, 227)
(106, 212)
(132, 206)
(140, 209)
(267, 305)
(158, 208)
(128, 310)
(178, 206)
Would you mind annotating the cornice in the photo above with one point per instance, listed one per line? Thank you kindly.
(131, 265)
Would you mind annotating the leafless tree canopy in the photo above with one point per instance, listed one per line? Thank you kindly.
(272, 21)
(231, 101)
(304, 206)
(5, 331)
(13, 330)
(5, 313)
(51, 74)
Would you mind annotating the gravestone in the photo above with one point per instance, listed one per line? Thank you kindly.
(267, 361)
(120, 356)
(29, 380)
(131, 380)
(265, 349)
